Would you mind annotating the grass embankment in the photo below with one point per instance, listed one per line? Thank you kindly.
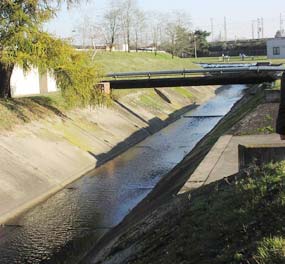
(141, 61)
(240, 220)
(146, 61)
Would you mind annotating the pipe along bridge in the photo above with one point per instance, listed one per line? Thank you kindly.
(194, 77)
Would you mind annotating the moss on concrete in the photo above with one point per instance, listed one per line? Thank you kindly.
(184, 92)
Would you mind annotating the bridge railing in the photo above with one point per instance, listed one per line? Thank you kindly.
(186, 72)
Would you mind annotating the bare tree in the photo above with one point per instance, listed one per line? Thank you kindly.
(171, 33)
(111, 23)
(83, 32)
(127, 17)
(181, 18)
(176, 21)
(157, 29)
(138, 26)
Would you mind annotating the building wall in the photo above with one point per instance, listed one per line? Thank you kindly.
(25, 83)
(31, 82)
(52, 87)
(276, 43)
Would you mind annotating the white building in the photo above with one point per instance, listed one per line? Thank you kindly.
(31, 82)
(276, 48)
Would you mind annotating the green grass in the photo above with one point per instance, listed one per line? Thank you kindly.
(17, 111)
(277, 85)
(117, 94)
(141, 61)
(239, 222)
(183, 91)
(272, 250)
(150, 100)
(144, 61)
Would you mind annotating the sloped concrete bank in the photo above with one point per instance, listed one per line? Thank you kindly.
(41, 157)
(113, 246)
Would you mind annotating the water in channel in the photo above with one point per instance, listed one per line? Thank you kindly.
(71, 221)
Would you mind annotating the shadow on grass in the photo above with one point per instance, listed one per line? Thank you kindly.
(48, 103)
(26, 109)
(12, 106)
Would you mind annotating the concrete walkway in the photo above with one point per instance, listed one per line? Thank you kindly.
(222, 160)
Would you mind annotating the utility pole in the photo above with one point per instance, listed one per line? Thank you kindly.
(225, 29)
(212, 28)
(252, 29)
(220, 36)
(258, 28)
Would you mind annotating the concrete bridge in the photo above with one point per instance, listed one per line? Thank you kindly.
(194, 77)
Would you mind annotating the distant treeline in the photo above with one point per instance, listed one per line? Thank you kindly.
(256, 47)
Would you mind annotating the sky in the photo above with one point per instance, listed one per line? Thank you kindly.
(239, 14)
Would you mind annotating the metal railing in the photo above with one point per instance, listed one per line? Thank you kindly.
(185, 72)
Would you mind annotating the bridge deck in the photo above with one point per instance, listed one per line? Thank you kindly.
(195, 77)
(244, 78)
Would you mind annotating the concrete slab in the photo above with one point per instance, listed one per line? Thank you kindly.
(202, 173)
(222, 160)
(208, 164)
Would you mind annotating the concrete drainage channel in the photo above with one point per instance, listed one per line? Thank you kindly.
(66, 226)
(41, 157)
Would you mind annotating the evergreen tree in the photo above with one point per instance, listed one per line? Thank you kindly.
(24, 43)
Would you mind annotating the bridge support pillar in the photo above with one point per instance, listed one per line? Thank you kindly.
(105, 87)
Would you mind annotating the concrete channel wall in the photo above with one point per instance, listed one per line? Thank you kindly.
(260, 154)
(42, 157)
(272, 96)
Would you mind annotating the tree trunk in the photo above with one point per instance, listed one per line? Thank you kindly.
(137, 40)
(128, 41)
(5, 77)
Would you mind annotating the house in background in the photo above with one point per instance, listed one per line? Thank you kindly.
(276, 48)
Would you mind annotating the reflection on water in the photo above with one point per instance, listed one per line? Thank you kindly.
(68, 223)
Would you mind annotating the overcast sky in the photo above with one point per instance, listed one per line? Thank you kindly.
(239, 15)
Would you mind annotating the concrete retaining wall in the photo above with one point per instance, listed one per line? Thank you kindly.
(260, 155)
(40, 158)
(272, 96)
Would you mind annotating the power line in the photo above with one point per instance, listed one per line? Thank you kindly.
(258, 28)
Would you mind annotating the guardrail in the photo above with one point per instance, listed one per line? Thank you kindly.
(185, 72)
